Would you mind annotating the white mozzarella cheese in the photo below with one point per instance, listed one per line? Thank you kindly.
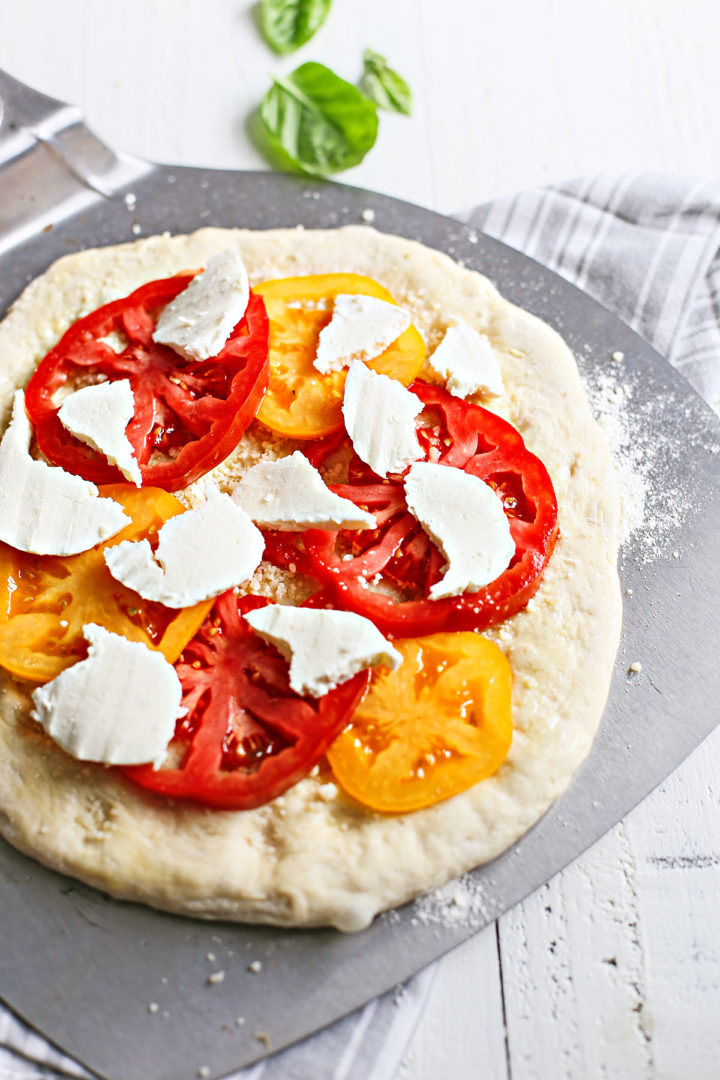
(98, 415)
(44, 509)
(324, 648)
(119, 706)
(465, 518)
(467, 362)
(200, 554)
(380, 419)
(361, 328)
(290, 494)
(198, 322)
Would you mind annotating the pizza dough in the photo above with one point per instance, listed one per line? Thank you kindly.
(312, 857)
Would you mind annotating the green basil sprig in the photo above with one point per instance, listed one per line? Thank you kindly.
(288, 24)
(384, 86)
(317, 123)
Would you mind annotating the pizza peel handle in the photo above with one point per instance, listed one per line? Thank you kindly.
(52, 165)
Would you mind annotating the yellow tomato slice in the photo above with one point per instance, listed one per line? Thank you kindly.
(300, 401)
(46, 600)
(429, 730)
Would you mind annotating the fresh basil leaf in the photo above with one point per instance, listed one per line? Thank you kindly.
(317, 123)
(384, 86)
(288, 24)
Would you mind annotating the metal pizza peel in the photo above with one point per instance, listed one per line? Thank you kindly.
(84, 970)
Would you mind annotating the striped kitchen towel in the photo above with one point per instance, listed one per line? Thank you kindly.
(645, 245)
(648, 248)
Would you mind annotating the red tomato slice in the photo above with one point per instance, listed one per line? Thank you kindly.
(188, 416)
(400, 555)
(247, 736)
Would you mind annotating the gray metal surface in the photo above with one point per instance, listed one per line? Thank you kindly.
(83, 969)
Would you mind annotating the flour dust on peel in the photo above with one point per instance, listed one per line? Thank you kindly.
(312, 857)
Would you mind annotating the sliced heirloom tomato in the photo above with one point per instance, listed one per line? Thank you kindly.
(45, 600)
(247, 736)
(433, 728)
(188, 415)
(400, 557)
(301, 402)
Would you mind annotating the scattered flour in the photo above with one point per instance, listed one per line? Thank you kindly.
(461, 903)
(658, 484)
(610, 399)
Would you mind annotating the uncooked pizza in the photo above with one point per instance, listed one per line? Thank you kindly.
(307, 572)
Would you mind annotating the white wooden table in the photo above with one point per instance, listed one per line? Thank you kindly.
(613, 969)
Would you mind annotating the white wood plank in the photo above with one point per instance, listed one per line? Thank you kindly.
(674, 841)
(507, 96)
(573, 972)
(462, 1030)
(613, 968)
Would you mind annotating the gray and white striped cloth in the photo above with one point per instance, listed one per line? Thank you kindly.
(648, 248)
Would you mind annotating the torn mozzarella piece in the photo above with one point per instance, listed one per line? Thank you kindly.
(324, 648)
(465, 518)
(98, 416)
(361, 328)
(200, 554)
(44, 509)
(118, 707)
(198, 322)
(380, 419)
(467, 363)
(290, 494)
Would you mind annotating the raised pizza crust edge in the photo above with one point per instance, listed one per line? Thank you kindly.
(312, 857)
